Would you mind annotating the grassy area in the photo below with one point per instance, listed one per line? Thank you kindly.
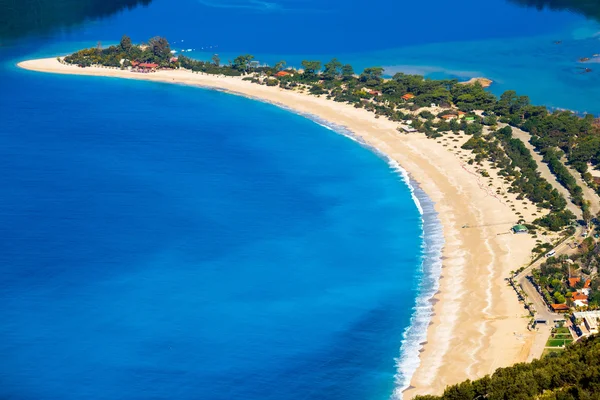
(558, 342)
(561, 330)
(562, 336)
(552, 351)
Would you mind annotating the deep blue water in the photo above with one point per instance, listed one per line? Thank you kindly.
(170, 242)
(167, 242)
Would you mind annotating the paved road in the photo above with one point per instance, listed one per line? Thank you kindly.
(542, 310)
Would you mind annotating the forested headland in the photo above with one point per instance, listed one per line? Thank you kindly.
(572, 375)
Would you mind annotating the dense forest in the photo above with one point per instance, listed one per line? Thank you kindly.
(156, 51)
(24, 17)
(572, 375)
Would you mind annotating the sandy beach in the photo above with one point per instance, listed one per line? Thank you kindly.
(478, 324)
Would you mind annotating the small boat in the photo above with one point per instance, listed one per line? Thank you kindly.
(558, 42)
(584, 59)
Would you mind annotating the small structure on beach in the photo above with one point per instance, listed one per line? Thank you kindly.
(519, 228)
(408, 129)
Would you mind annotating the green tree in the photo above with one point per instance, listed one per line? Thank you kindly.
(332, 69)
(216, 60)
(126, 43)
(371, 76)
(241, 63)
(160, 47)
(347, 72)
(280, 65)
(311, 68)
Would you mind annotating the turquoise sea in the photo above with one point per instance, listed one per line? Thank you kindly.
(167, 242)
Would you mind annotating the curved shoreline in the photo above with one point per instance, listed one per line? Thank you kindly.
(472, 300)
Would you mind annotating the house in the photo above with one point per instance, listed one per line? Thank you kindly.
(148, 66)
(573, 282)
(408, 96)
(591, 323)
(589, 320)
(559, 308)
(375, 93)
(461, 114)
(579, 299)
(586, 288)
(174, 59)
(519, 229)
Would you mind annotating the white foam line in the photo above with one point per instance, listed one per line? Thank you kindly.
(415, 334)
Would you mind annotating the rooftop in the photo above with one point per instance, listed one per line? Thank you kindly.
(579, 296)
(573, 282)
(519, 228)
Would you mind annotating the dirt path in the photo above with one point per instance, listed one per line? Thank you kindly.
(545, 170)
(588, 193)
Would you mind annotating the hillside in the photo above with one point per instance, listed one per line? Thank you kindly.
(575, 374)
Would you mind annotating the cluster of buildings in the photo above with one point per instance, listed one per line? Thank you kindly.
(137, 66)
(586, 323)
(579, 297)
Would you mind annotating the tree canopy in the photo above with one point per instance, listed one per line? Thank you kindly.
(572, 375)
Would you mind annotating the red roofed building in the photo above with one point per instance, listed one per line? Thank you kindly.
(282, 74)
(559, 307)
(580, 299)
(573, 282)
(408, 96)
(135, 63)
(148, 65)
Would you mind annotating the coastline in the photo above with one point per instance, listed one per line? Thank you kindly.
(475, 314)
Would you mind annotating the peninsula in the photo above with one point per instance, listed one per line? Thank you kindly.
(468, 150)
